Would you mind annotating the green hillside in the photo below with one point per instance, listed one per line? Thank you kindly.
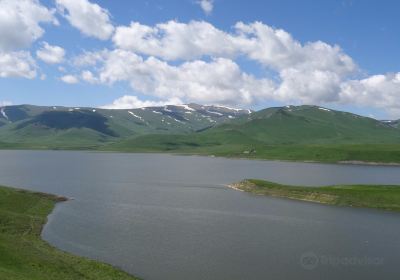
(311, 125)
(87, 128)
(290, 133)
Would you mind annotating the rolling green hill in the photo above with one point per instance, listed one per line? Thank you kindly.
(310, 125)
(291, 132)
(87, 128)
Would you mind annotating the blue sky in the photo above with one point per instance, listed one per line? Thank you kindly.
(362, 76)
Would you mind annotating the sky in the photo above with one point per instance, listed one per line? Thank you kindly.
(341, 54)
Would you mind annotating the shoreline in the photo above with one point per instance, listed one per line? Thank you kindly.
(233, 187)
(380, 197)
(29, 255)
(341, 162)
(373, 163)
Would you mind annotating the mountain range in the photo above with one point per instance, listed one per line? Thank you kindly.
(66, 127)
(291, 132)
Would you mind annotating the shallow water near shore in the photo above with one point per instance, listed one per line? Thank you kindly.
(161, 216)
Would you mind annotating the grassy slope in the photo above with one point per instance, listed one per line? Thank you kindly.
(23, 255)
(295, 133)
(234, 144)
(371, 196)
(310, 125)
(66, 128)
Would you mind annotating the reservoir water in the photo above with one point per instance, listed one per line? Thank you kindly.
(172, 217)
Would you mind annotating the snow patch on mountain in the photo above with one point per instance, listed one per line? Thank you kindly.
(4, 113)
(186, 107)
(215, 113)
(324, 109)
(136, 116)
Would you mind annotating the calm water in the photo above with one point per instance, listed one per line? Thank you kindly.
(171, 217)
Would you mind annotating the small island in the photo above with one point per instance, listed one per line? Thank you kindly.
(384, 197)
(24, 255)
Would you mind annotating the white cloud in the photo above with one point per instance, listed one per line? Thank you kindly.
(276, 49)
(17, 64)
(195, 62)
(89, 58)
(379, 91)
(220, 81)
(91, 19)
(20, 23)
(174, 40)
(273, 48)
(308, 87)
(132, 102)
(51, 54)
(88, 76)
(310, 72)
(206, 5)
(69, 79)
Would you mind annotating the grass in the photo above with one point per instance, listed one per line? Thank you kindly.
(302, 133)
(235, 144)
(296, 133)
(378, 153)
(368, 196)
(24, 255)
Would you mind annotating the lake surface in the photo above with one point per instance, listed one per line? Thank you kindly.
(172, 217)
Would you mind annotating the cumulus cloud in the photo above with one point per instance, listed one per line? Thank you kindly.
(276, 48)
(132, 102)
(310, 72)
(17, 64)
(379, 91)
(206, 5)
(91, 19)
(20, 23)
(88, 76)
(195, 62)
(69, 79)
(219, 81)
(273, 48)
(308, 87)
(89, 58)
(174, 40)
(51, 54)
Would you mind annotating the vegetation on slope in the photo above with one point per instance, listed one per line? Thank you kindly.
(295, 125)
(304, 133)
(78, 128)
(288, 133)
(24, 256)
(370, 196)
(235, 144)
(66, 120)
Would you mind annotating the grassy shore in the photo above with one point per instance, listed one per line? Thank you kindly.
(237, 147)
(370, 196)
(24, 255)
